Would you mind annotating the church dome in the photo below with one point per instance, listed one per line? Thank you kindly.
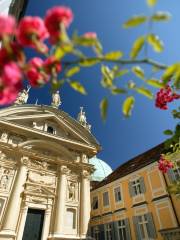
(102, 169)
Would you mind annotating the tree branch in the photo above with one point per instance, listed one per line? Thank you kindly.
(147, 61)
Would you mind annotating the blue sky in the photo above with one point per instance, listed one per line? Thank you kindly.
(121, 139)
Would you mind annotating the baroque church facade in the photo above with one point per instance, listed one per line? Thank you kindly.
(44, 172)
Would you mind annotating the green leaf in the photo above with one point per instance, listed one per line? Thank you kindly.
(161, 16)
(137, 46)
(155, 42)
(88, 62)
(108, 76)
(155, 83)
(169, 72)
(135, 21)
(104, 108)
(120, 73)
(57, 84)
(177, 79)
(59, 53)
(83, 41)
(78, 87)
(128, 105)
(145, 92)
(138, 71)
(168, 132)
(151, 3)
(72, 71)
(116, 91)
(113, 55)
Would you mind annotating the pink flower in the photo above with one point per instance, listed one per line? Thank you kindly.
(164, 164)
(54, 18)
(8, 95)
(35, 73)
(11, 74)
(90, 35)
(52, 64)
(31, 31)
(164, 96)
(14, 53)
(7, 25)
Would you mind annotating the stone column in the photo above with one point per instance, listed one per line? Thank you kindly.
(13, 208)
(46, 225)
(24, 211)
(60, 201)
(85, 203)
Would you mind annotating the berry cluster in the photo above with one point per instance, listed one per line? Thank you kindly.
(164, 164)
(164, 96)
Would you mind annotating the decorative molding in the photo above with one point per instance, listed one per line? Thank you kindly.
(86, 174)
(64, 170)
(41, 178)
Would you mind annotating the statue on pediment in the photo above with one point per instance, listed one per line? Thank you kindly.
(23, 96)
(56, 100)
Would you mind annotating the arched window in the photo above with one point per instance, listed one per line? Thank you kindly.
(50, 130)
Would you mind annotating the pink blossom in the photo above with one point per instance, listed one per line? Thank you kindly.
(52, 64)
(11, 74)
(7, 25)
(164, 164)
(8, 95)
(35, 73)
(90, 35)
(54, 18)
(31, 31)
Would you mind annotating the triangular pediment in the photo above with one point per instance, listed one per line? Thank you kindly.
(48, 121)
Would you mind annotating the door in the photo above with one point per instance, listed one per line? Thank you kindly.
(33, 225)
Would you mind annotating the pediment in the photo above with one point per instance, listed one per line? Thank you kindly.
(48, 121)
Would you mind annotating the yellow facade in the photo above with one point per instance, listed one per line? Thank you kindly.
(164, 209)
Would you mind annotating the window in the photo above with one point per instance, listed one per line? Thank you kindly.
(137, 187)
(117, 194)
(105, 199)
(176, 173)
(95, 203)
(122, 230)
(108, 232)
(96, 233)
(50, 130)
(144, 226)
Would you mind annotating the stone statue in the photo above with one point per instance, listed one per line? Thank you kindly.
(4, 137)
(82, 117)
(72, 191)
(22, 97)
(4, 180)
(56, 100)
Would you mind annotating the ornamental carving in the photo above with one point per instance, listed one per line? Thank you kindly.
(64, 170)
(6, 176)
(86, 174)
(41, 178)
(4, 137)
(84, 158)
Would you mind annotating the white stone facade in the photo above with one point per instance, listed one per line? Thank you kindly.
(44, 170)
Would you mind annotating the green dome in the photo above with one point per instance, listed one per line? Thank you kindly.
(102, 169)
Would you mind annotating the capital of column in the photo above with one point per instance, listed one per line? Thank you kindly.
(24, 160)
(86, 174)
(64, 169)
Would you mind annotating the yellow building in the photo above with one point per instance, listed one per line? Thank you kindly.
(133, 202)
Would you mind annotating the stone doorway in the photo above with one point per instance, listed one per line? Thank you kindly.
(34, 224)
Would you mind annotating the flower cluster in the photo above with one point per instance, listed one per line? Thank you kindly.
(165, 96)
(30, 32)
(164, 164)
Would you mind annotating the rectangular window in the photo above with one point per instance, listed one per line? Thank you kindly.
(136, 187)
(176, 173)
(95, 203)
(108, 232)
(122, 230)
(96, 233)
(105, 199)
(117, 194)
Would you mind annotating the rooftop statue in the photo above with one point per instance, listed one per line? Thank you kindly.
(56, 100)
(82, 119)
(22, 96)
